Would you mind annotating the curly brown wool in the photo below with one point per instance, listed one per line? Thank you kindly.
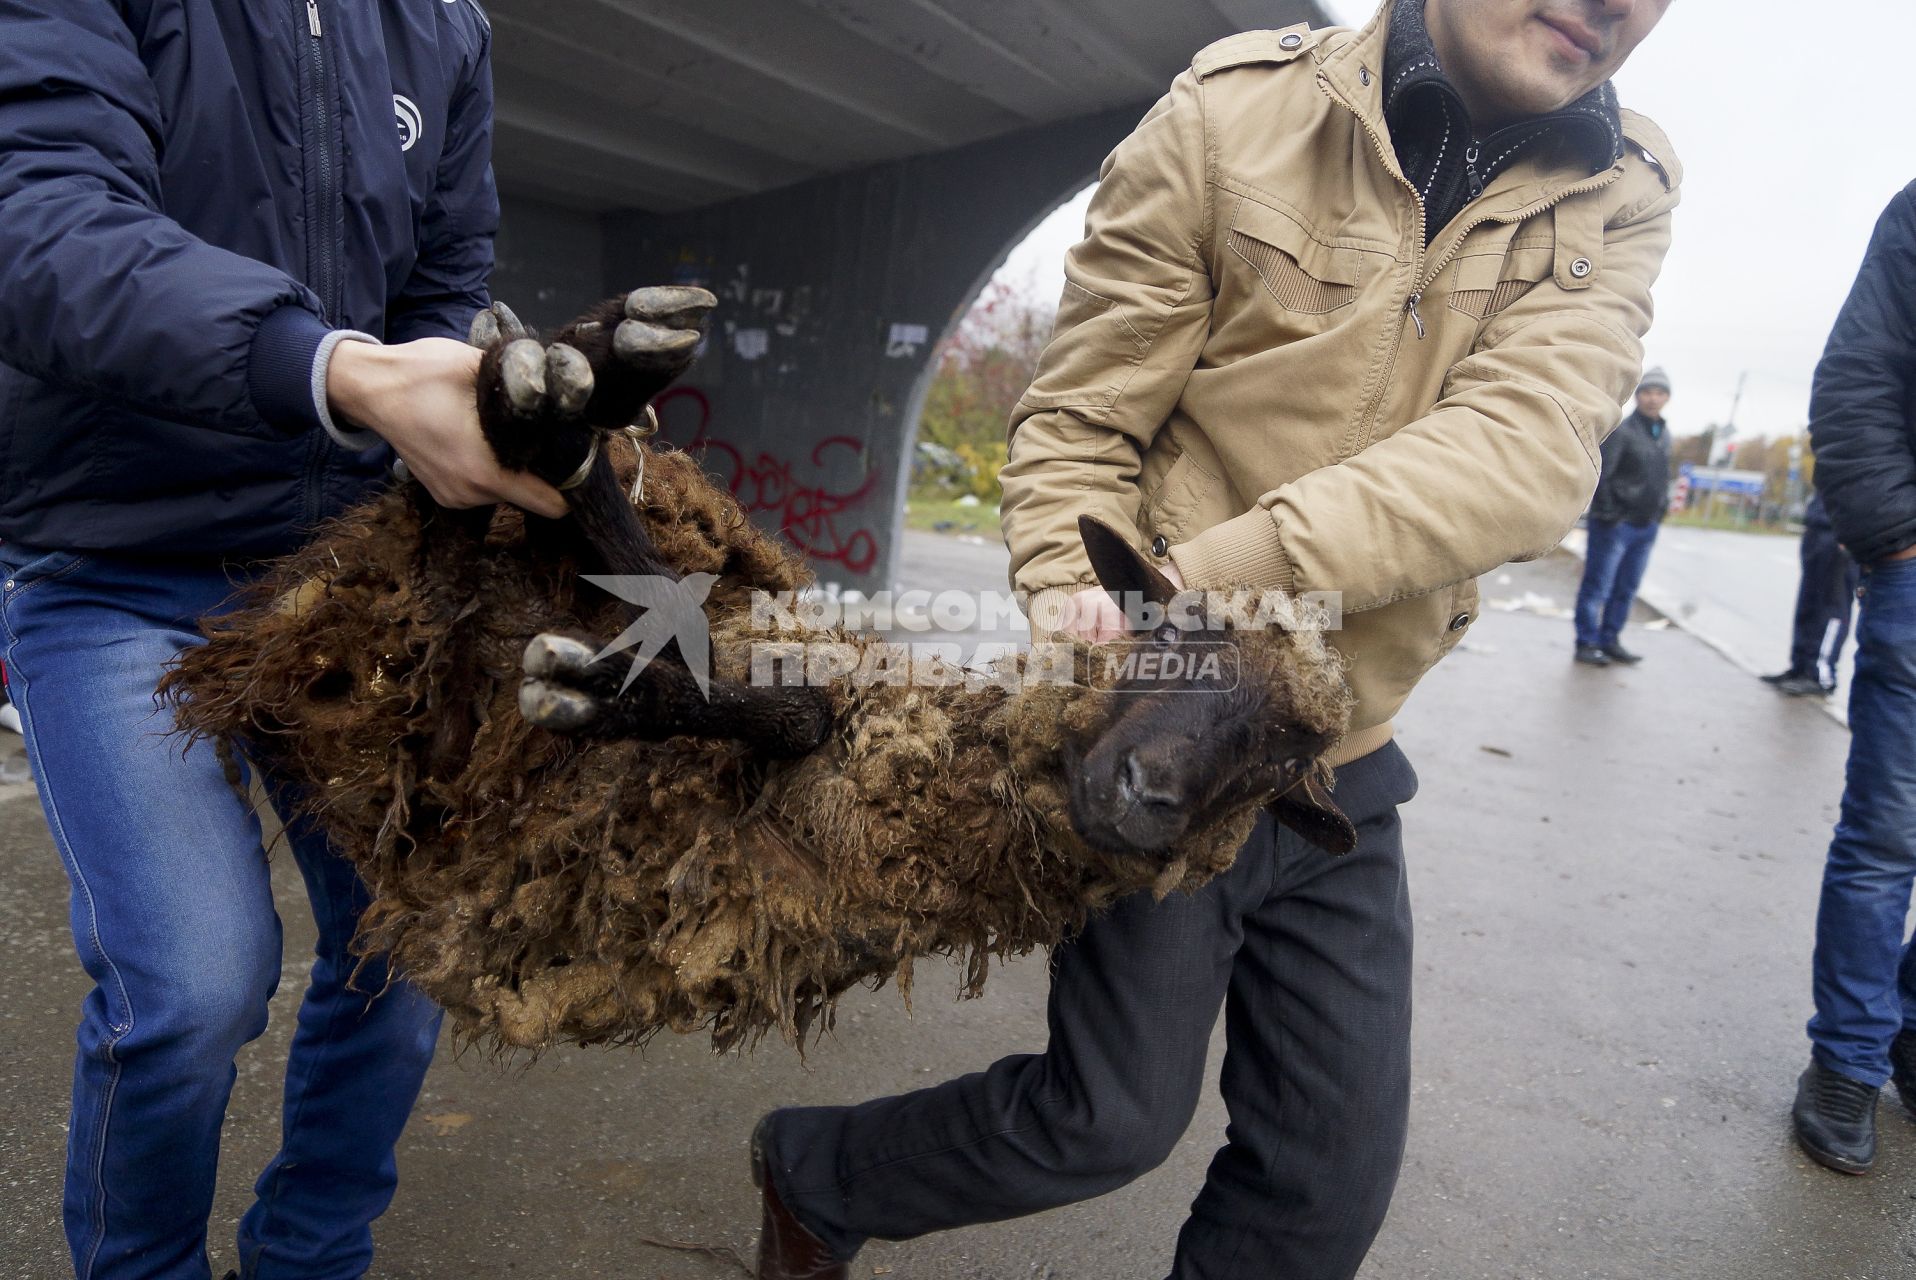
(544, 888)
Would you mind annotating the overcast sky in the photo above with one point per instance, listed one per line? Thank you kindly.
(1796, 123)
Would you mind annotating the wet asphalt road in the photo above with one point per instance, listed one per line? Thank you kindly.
(1615, 878)
(1736, 591)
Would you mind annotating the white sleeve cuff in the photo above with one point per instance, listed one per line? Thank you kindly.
(358, 441)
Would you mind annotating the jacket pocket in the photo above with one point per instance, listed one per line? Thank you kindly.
(1484, 285)
(1305, 281)
(1094, 367)
(1169, 506)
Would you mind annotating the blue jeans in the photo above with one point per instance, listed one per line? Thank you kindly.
(1865, 970)
(173, 918)
(1613, 566)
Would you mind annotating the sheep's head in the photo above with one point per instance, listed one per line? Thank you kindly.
(1198, 713)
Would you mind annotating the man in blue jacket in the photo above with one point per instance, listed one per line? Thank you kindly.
(211, 216)
(1863, 424)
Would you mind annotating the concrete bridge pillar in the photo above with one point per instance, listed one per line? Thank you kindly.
(834, 295)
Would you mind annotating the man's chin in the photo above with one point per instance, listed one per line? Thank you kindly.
(1545, 92)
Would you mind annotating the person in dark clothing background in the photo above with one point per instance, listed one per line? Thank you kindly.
(1863, 426)
(1632, 496)
(1825, 598)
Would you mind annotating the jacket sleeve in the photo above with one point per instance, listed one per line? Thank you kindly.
(1864, 393)
(448, 284)
(104, 293)
(1132, 322)
(1498, 470)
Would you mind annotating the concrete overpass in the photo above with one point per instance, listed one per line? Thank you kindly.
(845, 174)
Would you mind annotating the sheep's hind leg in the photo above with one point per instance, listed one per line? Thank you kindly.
(568, 690)
(540, 402)
(542, 406)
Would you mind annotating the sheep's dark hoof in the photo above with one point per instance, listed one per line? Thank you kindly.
(662, 328)
(560, 710)
(556, 655)
(550, 697)
(545, 382)
(494, 325)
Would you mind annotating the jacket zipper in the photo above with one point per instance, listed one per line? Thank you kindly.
(1416, 295)
(325, 261)
(1423, 275)
(1596, 183)
(323, 250)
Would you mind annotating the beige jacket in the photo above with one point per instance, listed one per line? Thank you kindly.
(1260, 366)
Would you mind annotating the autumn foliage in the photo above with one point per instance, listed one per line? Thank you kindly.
(981, 371)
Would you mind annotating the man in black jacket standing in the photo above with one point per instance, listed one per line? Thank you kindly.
(1825, 599)
(1863, 424)
(1632, 495)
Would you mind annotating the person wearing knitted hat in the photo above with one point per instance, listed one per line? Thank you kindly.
(1631, 498)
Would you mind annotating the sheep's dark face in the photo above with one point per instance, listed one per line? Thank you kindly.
(1195, 719)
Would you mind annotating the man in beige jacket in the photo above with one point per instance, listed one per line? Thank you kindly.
(1352, 314)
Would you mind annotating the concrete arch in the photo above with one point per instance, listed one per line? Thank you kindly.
(845, 176)
(834, 296)
(913, 417)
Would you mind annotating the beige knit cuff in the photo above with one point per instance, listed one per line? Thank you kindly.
(1244, 551)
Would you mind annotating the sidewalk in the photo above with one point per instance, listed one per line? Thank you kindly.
(1615, 877)
(1734, 591)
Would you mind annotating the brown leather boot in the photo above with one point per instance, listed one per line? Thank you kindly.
(786, 1250)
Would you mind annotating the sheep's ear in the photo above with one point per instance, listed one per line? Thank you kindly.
(1121, 568)
(1308, 809)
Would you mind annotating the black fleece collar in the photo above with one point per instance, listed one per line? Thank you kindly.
(1436, 143)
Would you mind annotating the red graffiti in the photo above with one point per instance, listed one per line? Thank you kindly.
(810, 513)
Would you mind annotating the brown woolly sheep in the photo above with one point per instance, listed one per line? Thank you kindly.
(731, 864)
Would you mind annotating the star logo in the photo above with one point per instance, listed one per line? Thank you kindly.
(674, 610)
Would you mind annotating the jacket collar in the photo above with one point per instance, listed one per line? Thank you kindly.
(1353, 69)
(1417, 93)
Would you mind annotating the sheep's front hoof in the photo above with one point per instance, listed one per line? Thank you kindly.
(556, 655)
(551, 706)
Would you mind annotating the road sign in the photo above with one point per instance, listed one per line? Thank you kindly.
(1749, 484)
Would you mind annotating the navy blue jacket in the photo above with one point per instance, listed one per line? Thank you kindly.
(1863, 405)
(193, 193)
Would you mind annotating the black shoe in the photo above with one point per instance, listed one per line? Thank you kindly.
(1835, 1119)
(1781, 676)
(1803, 687)
(1617, 653)
(1591, 655)
(1902, 1068)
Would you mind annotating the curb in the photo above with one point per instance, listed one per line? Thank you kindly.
(1671, 608)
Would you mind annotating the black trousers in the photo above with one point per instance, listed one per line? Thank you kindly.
(1824, 601)
(1308, 954)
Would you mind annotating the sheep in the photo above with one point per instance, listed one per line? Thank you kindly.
(553, 857)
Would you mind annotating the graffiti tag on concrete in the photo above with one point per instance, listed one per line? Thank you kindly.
(812, 505)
